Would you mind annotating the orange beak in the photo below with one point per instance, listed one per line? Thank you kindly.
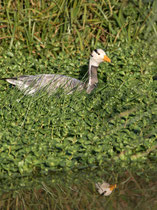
(112, 187)
(107, 59)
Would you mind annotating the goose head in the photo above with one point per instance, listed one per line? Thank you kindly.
(98, 56)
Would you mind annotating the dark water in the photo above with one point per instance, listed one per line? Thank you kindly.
(76, 190)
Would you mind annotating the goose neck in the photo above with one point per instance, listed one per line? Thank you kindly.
(93, 79)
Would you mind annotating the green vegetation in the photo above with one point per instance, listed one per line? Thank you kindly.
(117, 121)
(49, 27)
(110, 131)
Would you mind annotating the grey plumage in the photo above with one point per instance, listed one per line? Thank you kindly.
(32, 84)
(50, 82)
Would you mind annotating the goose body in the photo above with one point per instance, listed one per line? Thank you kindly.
(32, 84)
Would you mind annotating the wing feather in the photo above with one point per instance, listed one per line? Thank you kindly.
(33, 83)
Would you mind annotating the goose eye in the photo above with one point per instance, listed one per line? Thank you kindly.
(91, 55)
(97, 52)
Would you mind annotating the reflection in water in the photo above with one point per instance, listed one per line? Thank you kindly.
(78, 191)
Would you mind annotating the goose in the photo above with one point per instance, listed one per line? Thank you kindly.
(31, 84)
(105, 188)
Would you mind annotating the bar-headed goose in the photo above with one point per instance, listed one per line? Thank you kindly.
(32, 84)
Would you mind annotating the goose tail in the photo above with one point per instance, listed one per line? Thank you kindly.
(13, 81)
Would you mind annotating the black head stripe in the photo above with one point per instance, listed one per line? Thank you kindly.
(91, 55)
(97, 52)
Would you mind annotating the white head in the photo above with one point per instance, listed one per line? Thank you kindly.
(98, 56)
(105, 188)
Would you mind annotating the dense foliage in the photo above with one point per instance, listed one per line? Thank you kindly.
(116, 122)
(48, 27)
(115, 126)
